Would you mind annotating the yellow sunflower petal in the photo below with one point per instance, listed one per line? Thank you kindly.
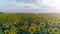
(37, 28)
(31, 30)
(6, 32)
(45, 29)
(13, 32)
(4, 25)
(13, 29)
(55, 30)
(50, 30)
(25, 23)
(33, 25)
(42, 24)
(24, 27)
(50, 22)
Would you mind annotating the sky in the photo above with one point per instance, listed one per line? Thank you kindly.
(30, 6)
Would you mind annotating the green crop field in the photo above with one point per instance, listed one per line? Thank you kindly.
(32, 23)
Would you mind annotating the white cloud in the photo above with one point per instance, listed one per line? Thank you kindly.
(24, 6)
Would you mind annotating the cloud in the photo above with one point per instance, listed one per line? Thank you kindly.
(29, 6)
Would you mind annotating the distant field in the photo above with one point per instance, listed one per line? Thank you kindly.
(32, 23)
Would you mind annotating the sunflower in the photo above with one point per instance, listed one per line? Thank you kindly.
(55, 30)
(6, 32)
(13, 29)
(50, 30)
(25, 23)
(16, 29)
(54, 24)
(4, 25)
(27, 27)
(43, 21)
(31, 29)
(45, 29)
(11, 24)
(19, 27)
(14, 22)
(58, 23)
(33, 25)
(13, 32)
(24, 27)
(42, 24)
(50, 22)
(37, 28)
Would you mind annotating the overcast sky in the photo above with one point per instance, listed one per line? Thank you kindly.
(30, 6)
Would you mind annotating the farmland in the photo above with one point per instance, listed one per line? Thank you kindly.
(31, 23)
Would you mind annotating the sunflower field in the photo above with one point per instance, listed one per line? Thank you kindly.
(29, 23)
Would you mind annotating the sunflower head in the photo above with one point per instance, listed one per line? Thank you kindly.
(24, 27)
(42, 24)
(11, 24)
(45, 30)
(50, 22)
(13, 29)
(50, 30)
(58, 23)
(13, 32)
(37, 28)
(14, 22)
(31, 30)
(16, 29)
(4, 25)
(27, 27)
(25, 23)
(33, 25)
(6, 32)
(55, 30)
(54, 24)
